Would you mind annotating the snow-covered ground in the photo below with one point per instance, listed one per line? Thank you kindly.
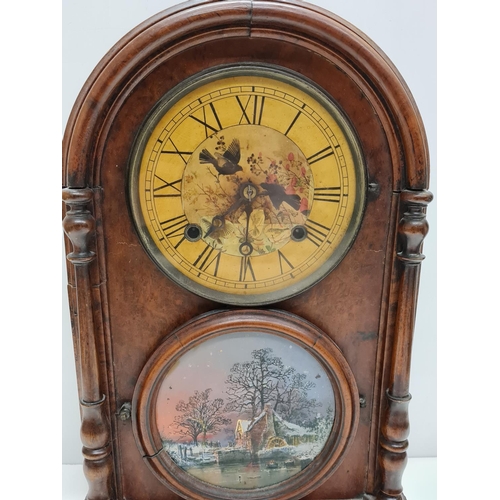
(304, 450)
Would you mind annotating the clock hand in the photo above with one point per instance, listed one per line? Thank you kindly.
(219, 220)
(249, 192)
(217, 223)
(248, 211)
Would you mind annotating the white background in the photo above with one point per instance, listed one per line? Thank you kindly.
(406, 32)
(38, 394)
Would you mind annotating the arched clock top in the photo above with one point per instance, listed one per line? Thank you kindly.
(250, 154)
(187, 28)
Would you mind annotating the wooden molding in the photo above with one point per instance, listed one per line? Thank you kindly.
(79, 226)
(395, 424)
(120, 319)
(217, 323)
(160, 38)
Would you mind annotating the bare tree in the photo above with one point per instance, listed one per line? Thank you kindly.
(200, 415)
(265, 380)
(292, 401)
(251, 385)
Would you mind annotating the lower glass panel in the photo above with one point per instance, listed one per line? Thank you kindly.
(245, 410)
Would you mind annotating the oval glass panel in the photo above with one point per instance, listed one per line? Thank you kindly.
(245, 410)
(247, 405)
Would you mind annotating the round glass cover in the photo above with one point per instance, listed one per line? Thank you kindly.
(248, 404)
(247, 184)
(245, 410)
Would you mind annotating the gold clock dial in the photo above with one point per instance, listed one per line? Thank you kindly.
(247, 185)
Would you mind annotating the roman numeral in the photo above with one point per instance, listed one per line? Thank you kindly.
(177, 152)
(258, 108)
(244, 109)
(320, 155)
(175, 226)
(284, 262)
(205, 260)
(252, 110)
(246, 268)
(329, 194)
(316, 232)
(176, 246)
(209, 110)
(294, 120)
(166, 184)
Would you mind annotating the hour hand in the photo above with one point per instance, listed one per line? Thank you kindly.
(219, 221)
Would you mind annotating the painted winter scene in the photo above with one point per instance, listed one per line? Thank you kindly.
(245, 410)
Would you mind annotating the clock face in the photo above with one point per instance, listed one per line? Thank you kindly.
(247, 185)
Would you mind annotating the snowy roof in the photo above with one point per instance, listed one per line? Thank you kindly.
(244, 424)
(289, 428)
(253, 422)
(293, 429)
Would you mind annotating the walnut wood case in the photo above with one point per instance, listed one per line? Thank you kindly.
(222, 323)
(123, 307)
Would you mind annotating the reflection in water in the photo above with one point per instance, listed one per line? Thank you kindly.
(242, 476)
(245, 410)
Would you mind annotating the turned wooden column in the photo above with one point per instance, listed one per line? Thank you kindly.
(395, 426)
(79, 226)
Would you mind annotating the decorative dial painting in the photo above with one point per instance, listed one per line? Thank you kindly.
(247, 189)
(252, 217)
(245, 410)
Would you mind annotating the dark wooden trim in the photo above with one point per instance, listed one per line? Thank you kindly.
(280, 323)
(189, 25)
(394, 428)
(79, 226)
(386, 328)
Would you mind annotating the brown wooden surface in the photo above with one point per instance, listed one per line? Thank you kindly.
(79, 226)
(395, 423)
(134, 306)
(229, 321)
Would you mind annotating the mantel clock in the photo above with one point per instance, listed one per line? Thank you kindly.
(245, 191)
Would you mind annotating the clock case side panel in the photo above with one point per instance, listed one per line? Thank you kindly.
(391, 424)
(88, 304)
(190, 25)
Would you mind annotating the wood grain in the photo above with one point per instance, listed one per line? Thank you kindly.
(79, 226)
(124, 308)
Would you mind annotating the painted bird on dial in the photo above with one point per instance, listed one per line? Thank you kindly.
(277, 195)
(226, 163)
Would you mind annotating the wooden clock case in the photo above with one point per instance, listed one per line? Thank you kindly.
(123, 307)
